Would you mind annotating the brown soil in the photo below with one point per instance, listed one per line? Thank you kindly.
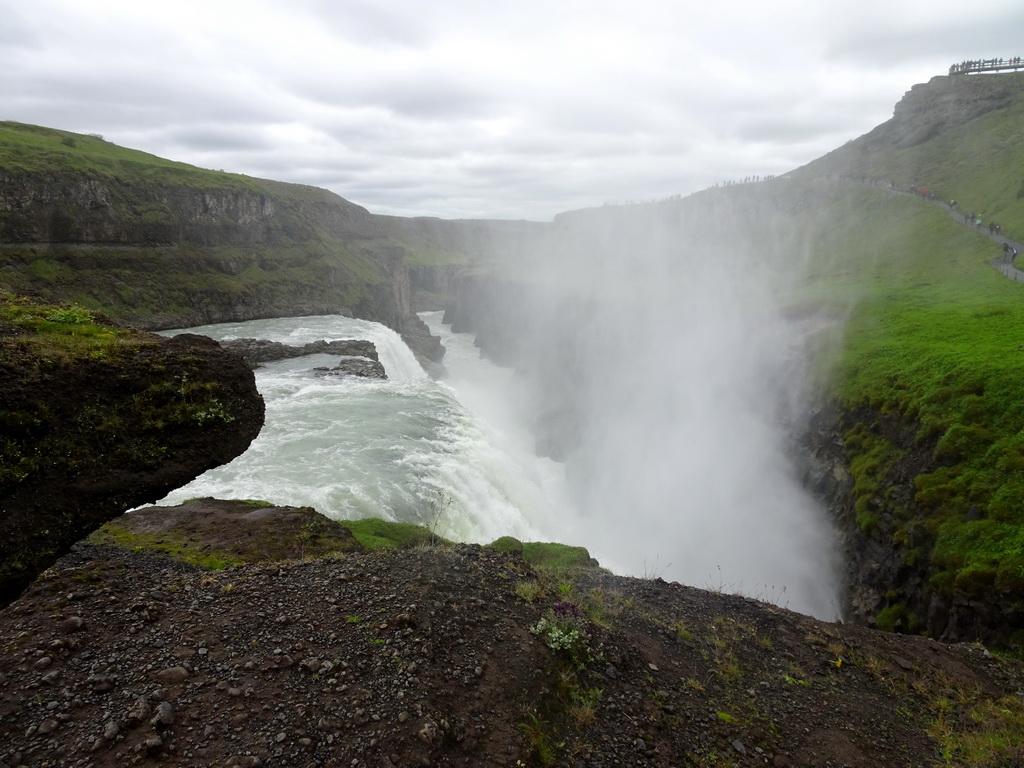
(424, 657)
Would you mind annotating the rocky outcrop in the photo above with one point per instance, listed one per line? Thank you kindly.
(359, 357)
(359, 367)
(90, 430)
(458, 655)
(928, 109)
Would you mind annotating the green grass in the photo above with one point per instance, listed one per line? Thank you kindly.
(935, 340)
(62, 331)
(556, 556)
(38, 150)
(375, 533)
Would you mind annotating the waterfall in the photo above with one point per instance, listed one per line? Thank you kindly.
(404, 449)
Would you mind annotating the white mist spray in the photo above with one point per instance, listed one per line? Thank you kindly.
(665, 342)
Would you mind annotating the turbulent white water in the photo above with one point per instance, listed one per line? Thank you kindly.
(405, 449)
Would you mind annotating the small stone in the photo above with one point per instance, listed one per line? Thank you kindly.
(72, 624)
(111, 731)
(172, 675)
(48, 725)
(43, 663)
(403, 717)
(101, 683)
(139, 711)
(611, 671)
(430, 733)
(164, 715)
(281, 736)
(739, 747)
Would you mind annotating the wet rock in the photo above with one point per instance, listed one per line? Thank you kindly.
(256, 351)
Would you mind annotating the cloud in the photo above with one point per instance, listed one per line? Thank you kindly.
(505, 110)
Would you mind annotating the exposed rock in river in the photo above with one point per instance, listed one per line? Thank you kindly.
(256, 351)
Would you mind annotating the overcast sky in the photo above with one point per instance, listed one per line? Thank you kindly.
(478, 108)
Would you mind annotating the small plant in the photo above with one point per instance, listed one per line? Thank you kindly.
(682, 632)
(437, 508)
(214, 410)
(583, 705)
(529, 590)
(69, 315)
(536, 732)
(566, 628)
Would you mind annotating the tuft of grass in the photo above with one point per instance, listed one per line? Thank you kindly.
(557, 556)
(375, 533)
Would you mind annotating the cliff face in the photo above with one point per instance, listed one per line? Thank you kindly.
(926, 112)
(891, 581)
(928, 109)
(97, 420)
(73, 208)
(172, 248)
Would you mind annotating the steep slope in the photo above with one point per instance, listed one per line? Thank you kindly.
(961, 137)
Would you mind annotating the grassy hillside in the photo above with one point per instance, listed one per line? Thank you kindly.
(932, 366)
(937, 342)
(36, 149)
(979, 163)
(165, 244)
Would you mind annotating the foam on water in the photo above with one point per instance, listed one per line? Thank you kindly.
(405, 449)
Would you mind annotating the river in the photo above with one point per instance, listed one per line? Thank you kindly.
(407, 449)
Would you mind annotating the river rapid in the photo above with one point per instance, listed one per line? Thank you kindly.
(406, 449)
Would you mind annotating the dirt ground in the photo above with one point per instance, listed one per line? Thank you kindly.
(443, 655)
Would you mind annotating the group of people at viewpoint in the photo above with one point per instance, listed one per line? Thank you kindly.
(985, 65)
